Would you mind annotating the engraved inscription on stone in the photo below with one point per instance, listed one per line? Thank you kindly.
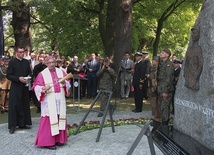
(167, 145)
(172, 149)
(196, 106)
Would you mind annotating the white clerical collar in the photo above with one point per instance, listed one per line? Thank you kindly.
(19, 58)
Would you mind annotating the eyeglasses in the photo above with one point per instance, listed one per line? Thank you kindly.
(20, 51)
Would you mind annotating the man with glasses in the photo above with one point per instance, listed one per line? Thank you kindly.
(50, 89)
(19, 106)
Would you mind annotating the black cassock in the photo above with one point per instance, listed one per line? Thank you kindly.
(19, 100)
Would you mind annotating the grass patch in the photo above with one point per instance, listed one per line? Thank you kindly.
(122, 105)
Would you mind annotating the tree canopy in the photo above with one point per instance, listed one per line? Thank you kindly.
(80, 27)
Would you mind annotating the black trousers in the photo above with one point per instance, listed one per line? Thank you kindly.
(34, 98)
(138, 98)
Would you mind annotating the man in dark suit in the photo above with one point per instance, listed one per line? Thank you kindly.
(138, 81)
(37, 69)
(177, 70)
(74, 68)
(92, 67)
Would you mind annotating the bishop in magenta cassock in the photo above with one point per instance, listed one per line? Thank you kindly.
(51, 93)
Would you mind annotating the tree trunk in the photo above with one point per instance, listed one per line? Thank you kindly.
(168, 12)
(110, 28)
(157, 38)
(1, 35)
(101, 17)
(21, 25)
(123, 33)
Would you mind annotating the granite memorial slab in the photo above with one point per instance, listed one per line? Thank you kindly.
(194, 97)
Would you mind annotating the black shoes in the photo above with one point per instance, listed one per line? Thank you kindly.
(100, 114)
(50, 147)
(124, 98)
(24, 127)
(12, 130)
(165, 122)
(155, 123)
(59, 144)
(54, 146)
(136, 111)
(113, 107)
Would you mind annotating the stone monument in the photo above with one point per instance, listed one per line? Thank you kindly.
(194, 106)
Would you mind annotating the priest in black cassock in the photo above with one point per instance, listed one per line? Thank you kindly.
(19, 106)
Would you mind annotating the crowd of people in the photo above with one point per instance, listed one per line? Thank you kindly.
(155, 80)
(37, 77)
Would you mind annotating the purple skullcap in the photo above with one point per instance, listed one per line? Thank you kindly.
(48, 58)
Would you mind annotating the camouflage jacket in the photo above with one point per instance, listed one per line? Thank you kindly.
(153, 78)
(165, 76)
(106, 78)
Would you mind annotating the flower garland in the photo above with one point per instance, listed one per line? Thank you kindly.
(96, 124)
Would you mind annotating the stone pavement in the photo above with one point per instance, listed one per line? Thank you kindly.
(118, 143)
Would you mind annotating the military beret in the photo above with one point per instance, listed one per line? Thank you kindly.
(156, 58)
(138, 54)
(176, 61)
(167, 51)
(145, 52)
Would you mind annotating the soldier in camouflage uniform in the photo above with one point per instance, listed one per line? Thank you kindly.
(152, 92)
(106, 76)
(165, 85)
(4, 85)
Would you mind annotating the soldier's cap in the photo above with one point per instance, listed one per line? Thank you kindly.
(156, 58)
(176, 61)
(138, 54)
(167, 51)
(145, 52)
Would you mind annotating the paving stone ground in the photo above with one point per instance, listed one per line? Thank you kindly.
(118, 143)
